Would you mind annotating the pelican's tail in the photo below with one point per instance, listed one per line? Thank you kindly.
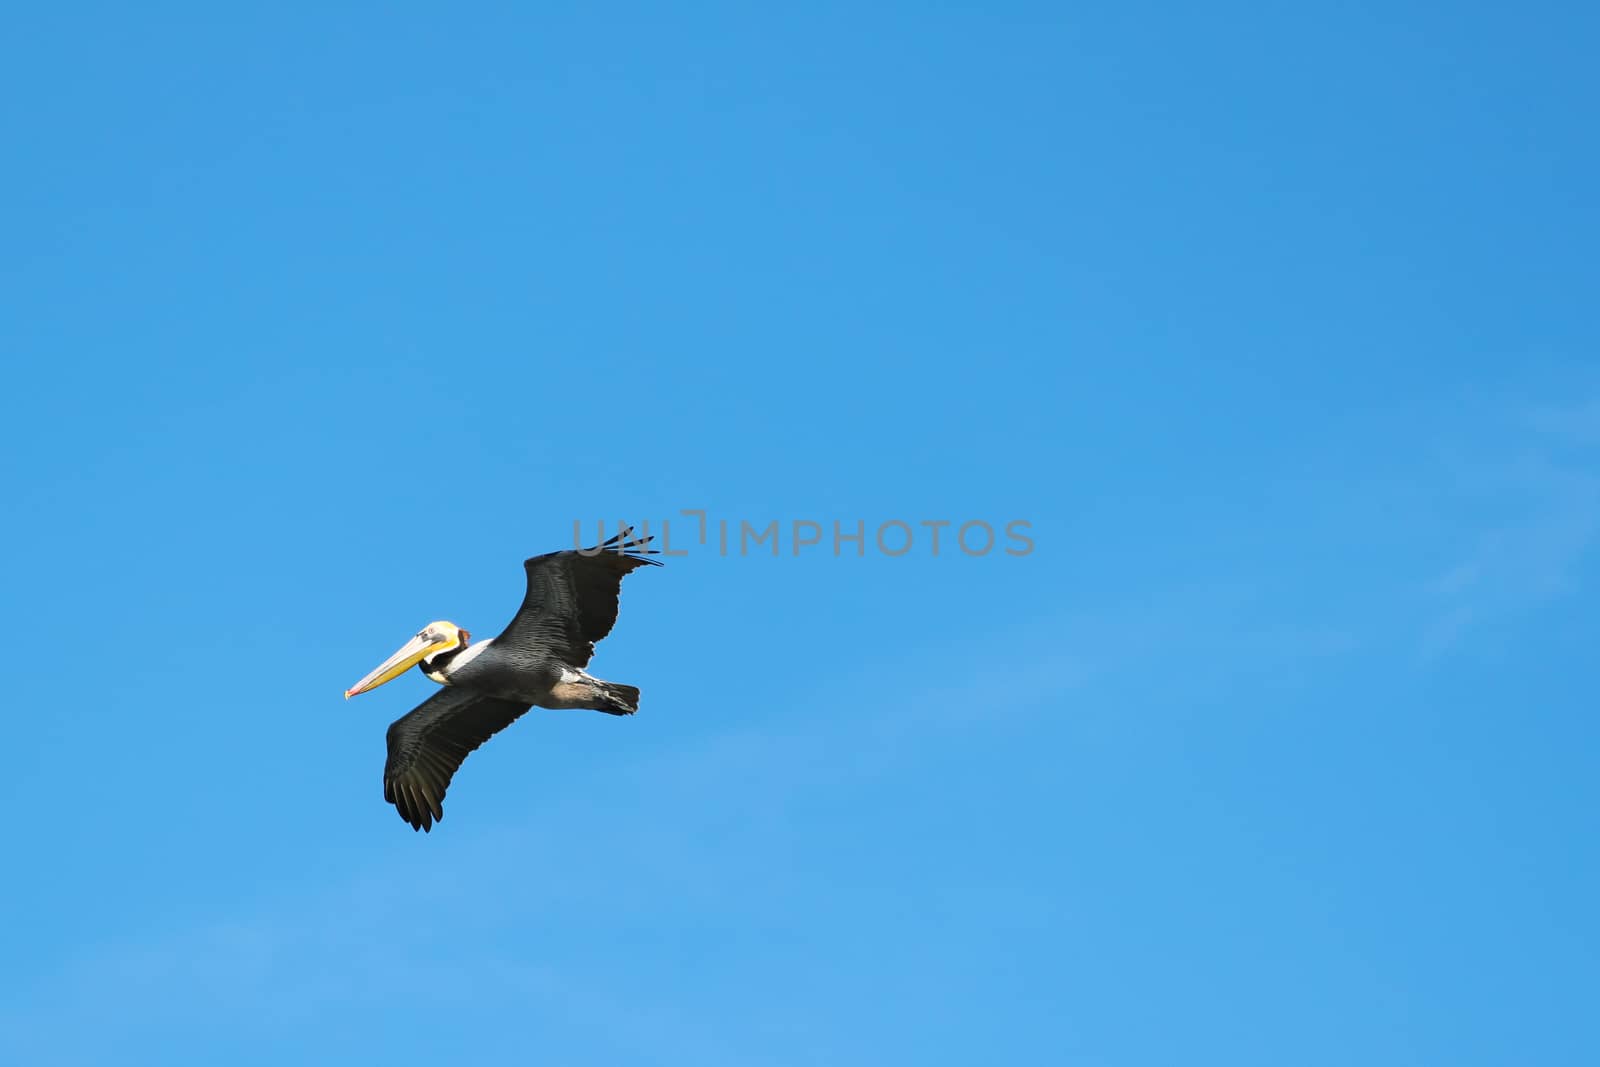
(617, 699)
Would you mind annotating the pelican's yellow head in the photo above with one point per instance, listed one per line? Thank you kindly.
(432, 640)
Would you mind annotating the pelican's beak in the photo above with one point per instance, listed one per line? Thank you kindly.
(409, 656)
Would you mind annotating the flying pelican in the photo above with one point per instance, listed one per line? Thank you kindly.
(537, 660)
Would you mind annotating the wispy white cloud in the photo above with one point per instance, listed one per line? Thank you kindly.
(1578, 423)
(1530, 506)
(335, 959)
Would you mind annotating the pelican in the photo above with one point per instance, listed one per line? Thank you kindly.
(536, 661)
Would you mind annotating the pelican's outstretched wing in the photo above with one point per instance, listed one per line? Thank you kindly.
(571, 603)
(427, 745)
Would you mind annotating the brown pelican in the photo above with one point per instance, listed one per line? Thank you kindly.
(537, 660)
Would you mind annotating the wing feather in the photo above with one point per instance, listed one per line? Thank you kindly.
(571, 602)
(428, 744)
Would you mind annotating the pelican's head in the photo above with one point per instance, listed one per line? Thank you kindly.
(432, 640)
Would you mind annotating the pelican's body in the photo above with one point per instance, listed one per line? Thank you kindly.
(538, 682)
(537, 661)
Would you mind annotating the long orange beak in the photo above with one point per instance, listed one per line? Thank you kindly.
(410, 654)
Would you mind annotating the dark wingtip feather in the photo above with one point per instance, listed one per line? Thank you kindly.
(618, 545)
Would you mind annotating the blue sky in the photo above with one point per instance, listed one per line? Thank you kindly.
(1276, 326)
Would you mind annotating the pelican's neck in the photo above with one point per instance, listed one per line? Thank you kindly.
(445, 664)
